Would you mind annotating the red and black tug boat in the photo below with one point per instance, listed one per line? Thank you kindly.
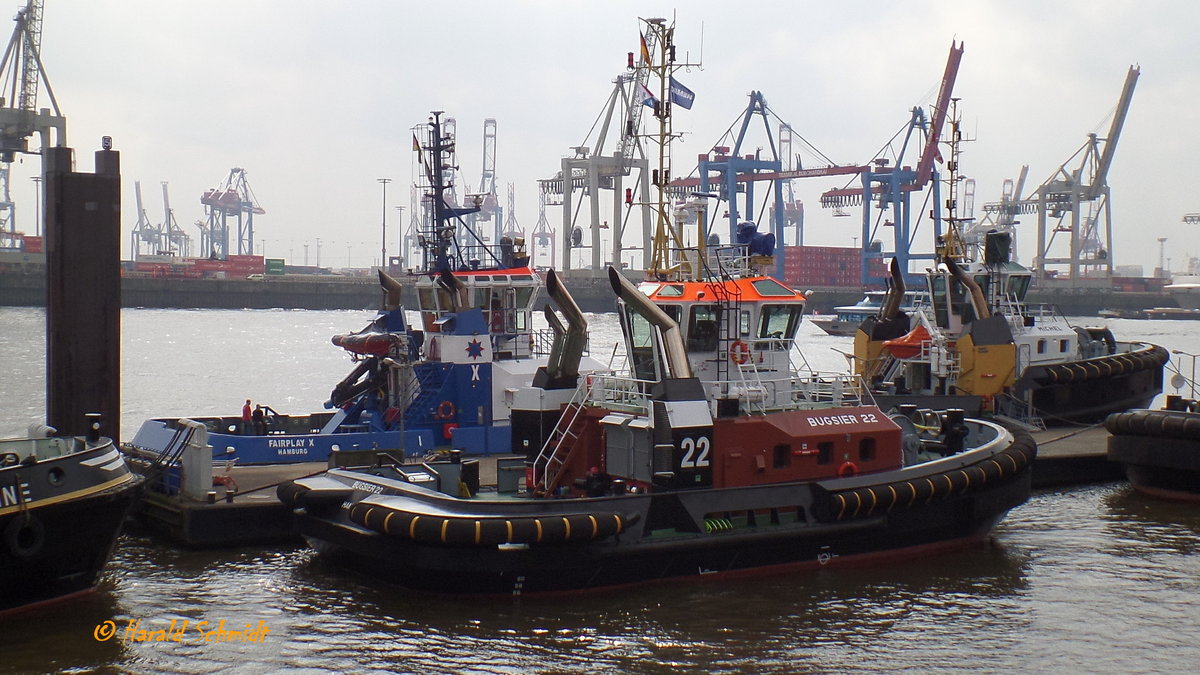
(714, 454)
(669, 474)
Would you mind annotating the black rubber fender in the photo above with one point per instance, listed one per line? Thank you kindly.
(290, 493)
(25, 535)
(875, 499)
(491, 530)
(1155, 424)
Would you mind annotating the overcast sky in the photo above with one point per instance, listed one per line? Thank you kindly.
(315, 100)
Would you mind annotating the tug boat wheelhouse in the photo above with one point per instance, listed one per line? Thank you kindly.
(712, 454)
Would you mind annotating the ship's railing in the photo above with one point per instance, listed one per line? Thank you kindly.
(618, 392)
(942, 362)
(541, 340)
(729, 261)
(802, 390)
(1045, 311)
(817, 389)
(38, 448)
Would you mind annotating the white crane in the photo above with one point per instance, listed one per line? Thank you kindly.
(1082, 194)
(21, 73)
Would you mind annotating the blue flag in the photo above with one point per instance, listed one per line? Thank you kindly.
(681, 95)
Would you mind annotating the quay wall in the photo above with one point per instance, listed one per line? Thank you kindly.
(594, 294)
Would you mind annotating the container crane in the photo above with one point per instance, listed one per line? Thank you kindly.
(489, 205)
(146, 239)
(734, 173)
(543, 234)
(21, 74)
(231, 199)
(177, 240)
(890, 186)
(1001, 216)
(1083, 194)
(594, 168)
(793, 209)
(511, 229)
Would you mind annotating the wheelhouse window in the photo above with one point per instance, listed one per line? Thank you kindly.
(779, 321)
(985, 284)
(704, 328)
(639, 337)
(770, 288)
(939, 297)
(673, 311)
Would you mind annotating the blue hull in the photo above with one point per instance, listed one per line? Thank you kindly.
(284, 448)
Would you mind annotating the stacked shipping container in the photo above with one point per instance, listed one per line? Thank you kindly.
(825, 266)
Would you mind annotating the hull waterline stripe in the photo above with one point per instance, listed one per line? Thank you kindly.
(77, 494)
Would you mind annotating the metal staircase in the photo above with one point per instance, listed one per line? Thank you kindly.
(556, 453)
(429, 382)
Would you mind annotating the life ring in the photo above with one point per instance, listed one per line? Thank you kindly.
(739, 352)
(847, 469)
(25, 536)
(446, 410)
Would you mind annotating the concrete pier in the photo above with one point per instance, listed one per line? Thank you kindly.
(1073, 456)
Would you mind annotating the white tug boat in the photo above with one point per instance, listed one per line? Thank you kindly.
(977, 338)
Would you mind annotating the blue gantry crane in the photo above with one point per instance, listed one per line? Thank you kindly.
(732, 173)
(889, 186)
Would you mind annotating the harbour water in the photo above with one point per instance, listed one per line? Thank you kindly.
(1086, 579)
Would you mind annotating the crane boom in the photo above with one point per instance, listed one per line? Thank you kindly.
(939, 113)
(1114, 133)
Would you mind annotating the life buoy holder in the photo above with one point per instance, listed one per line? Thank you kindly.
(446, 410)
(739, 352)
(847, 469)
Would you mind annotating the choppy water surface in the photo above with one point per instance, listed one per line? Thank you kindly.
(1094, 578)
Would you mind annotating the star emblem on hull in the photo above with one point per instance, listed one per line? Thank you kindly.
(474, 349)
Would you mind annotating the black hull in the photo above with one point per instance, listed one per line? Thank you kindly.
(848, 522)
(1160, 450)
(55, 551)
(1090, 401)
(905, 533)
(1088, 391)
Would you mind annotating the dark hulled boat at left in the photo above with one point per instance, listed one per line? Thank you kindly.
(62, 503)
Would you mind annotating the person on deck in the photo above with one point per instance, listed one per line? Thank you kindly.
(260, 424)
(246, 419)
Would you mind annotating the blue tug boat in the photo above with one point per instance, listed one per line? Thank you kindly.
(445, 382)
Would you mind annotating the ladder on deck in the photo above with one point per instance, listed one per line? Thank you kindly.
(429, 383)
(557, 451)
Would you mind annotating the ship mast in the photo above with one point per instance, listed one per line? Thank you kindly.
(952, 245)
(662, 63)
